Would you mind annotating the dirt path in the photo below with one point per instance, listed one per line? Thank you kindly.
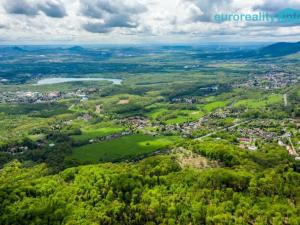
(285, 100)
(291, 148)
(98, 109)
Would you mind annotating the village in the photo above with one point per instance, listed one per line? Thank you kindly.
(247, 137)
(31, 97)
(274, 79)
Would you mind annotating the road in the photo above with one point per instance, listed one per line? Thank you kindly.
(224, 129)
(292, 148)
(285, 100)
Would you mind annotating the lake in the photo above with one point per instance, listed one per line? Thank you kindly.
(58, 80)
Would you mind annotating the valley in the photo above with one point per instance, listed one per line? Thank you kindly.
(149, 135)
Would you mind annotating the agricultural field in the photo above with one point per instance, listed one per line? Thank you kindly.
(210, 107)
(89, 132)
(269, 100)
(122, 148)
(169, 116)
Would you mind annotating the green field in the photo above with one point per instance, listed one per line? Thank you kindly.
(182, 116)
(262, 102)
(214, 105)
(98, 130)
(90, 134)
(174, 116)
(122, 148)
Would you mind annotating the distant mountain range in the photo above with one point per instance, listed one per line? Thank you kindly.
(274, 50)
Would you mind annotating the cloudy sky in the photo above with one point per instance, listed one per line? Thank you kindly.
(139, 21)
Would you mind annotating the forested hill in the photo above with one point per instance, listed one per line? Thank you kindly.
(280, 49)
(253, 188)
(273, 50)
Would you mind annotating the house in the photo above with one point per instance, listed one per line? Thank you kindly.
(54, 94)
(245, 140)
(252, 147)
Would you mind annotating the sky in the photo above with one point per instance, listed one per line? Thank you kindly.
(140, 21)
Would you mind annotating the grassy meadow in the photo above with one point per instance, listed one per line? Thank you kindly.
(121, 148)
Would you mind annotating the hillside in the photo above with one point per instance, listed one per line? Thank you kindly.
(274, 50)
(280, 49)
(155, 191)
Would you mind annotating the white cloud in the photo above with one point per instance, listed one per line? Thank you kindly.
(51, 8)
(118, 21)
(108, 14)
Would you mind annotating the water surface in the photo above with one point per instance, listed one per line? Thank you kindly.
(58, 80)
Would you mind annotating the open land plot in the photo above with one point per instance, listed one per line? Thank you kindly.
(163, 113)
(123, 148)
(260, 103)
(214, 105)
(99, 130)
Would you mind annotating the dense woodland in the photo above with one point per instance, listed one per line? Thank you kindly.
(257, 188)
